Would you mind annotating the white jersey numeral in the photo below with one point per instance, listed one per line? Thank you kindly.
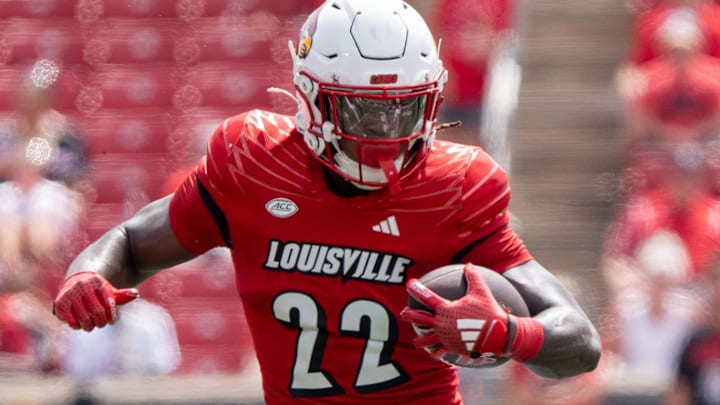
(364, 319)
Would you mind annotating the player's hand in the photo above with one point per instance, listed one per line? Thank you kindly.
(87, 300)
(471, 325)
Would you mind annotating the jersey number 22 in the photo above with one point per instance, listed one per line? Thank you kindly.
(361, 318)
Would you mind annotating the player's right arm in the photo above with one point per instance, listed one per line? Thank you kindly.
(135, 249)
(123, 257)
(162, 234)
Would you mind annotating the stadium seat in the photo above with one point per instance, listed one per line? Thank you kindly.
(246, 38)
(203, 320)
(132, 40)
(101, 217)
(10, 77)
(212, 333)
(182, 9)
(209, 276)
(128, 178)
(27, 39)
(125, 86)
(231, 84)
(188, 10)
(37, 9)
(215, 358)
(127, 131)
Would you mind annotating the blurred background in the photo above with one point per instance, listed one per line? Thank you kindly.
(605, 114)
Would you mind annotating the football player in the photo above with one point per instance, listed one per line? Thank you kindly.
(333, 214)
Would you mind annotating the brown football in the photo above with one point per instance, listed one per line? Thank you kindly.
(449, 282)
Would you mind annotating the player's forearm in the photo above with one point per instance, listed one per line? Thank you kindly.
(109, 256)
(134, 250)
(571, 344)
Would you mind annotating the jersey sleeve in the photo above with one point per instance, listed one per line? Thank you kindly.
(493, 244)
(500, 250)
(195, 217)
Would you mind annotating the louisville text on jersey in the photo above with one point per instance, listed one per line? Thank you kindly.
(337, 261)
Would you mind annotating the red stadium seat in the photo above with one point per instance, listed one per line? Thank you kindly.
(129, 178)
(57, 39)
(227, 84)
(188, 10)
(183, 9)
(246, 37)
(214, 359)
(212, 333)
(10, 77)
(210, 275)
(202, 121)
(127, 131)
(132, 40)
(125, 86)
(101, 217)
(37, 9)
(205, 320)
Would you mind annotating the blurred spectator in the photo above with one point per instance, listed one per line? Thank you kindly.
(653, 318)
(676, 94)
(475, 34)
(27, 334)
(42, 133)
(142, 342)
(657, 27)
(39, 217)
(698, 374)
(682, 201)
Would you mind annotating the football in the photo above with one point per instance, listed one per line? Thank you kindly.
(449, 282)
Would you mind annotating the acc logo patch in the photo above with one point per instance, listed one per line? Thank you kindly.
(281, 207)
(306, 35)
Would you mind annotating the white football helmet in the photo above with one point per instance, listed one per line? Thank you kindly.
(368, 82)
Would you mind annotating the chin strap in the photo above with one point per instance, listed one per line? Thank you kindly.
(391, 174)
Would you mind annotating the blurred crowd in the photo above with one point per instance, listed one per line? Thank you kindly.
(103, 121)
(662, 251)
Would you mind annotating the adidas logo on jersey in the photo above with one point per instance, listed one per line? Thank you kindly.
(387, 226)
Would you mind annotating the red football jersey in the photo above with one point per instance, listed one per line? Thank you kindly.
(322, 277)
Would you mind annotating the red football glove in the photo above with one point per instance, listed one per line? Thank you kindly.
(472, 325)
(87, 300)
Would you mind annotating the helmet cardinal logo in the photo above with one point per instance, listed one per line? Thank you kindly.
(306, 35)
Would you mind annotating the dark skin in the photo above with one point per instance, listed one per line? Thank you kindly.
(136, 249)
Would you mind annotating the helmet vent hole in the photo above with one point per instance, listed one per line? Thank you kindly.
(335, 6)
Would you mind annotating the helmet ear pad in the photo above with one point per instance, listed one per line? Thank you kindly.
(314, 143)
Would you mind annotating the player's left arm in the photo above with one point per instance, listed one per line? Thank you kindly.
(558, 340)
(570, 343)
